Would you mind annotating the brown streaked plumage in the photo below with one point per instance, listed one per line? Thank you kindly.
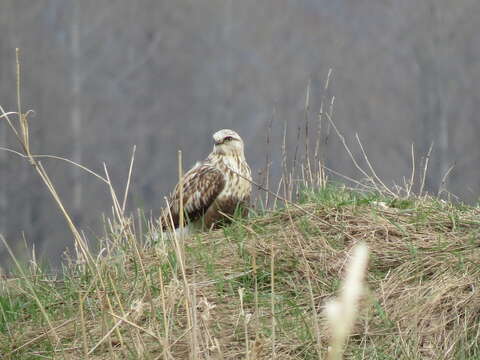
(219, 184)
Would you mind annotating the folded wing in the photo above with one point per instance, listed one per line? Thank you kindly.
(201, 186)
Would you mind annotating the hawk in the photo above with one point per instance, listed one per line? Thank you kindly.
(215, 186)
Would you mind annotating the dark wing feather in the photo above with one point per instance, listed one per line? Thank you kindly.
(201, 186)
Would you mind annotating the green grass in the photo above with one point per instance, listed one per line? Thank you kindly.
(422, 299)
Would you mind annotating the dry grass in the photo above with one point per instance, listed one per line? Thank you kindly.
(422, 300)
(256, 288)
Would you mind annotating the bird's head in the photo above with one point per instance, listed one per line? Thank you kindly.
(227, 142)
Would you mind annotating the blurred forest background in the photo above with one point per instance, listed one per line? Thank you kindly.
(104, 75)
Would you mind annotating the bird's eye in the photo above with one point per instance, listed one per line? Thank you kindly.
(228, 138)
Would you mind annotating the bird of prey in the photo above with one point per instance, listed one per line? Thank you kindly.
(218, 185)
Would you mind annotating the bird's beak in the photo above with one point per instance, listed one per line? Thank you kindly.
(218, 142)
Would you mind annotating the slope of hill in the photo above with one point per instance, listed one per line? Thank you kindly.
(256, 288)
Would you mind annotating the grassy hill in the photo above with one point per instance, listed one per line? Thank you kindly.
(256, 288)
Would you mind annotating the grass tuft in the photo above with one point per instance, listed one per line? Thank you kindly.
(421, 302)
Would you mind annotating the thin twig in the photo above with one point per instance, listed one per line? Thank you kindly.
(129, 178)
(425, 167)
(107, 334)
(371, 167)
(342, 139)
(126, 321)
(272, 304)
(412, 176)
(55, 158)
